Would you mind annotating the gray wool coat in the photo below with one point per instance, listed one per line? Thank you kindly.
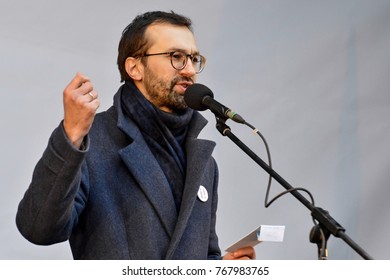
(113, 201)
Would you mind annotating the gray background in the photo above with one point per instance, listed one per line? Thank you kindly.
(312, 76)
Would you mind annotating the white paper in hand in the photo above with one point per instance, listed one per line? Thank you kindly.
(261, 234)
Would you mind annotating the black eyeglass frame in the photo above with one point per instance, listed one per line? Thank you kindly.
(201, 63)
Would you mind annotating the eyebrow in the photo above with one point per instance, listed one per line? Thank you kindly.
(183, 50)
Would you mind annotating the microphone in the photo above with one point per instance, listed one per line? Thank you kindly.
(199, 97)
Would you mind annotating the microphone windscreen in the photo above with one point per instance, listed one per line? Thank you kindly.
(194, 95)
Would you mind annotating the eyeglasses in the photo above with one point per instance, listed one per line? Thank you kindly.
(179, 60)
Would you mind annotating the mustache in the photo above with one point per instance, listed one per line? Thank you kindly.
(182, 79)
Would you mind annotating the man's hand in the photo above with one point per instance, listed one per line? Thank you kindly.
(80, 105)
(246, 253)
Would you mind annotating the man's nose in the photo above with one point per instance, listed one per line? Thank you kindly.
(189, 70)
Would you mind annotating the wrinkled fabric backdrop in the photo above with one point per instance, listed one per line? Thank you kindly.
(312, 76)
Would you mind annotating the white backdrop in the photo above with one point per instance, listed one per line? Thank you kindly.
(313, 76)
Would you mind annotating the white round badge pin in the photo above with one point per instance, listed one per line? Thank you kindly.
(203, 195)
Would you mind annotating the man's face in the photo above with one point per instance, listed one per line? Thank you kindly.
(161, 84)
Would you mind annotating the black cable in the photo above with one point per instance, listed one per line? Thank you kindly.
(322, 254)
(266, 203)
(256, 131)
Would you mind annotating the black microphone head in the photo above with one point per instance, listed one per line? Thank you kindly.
(194, 95)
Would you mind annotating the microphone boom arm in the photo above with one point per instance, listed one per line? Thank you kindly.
(322, 216)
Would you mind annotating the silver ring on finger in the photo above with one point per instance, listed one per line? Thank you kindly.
(91, 94)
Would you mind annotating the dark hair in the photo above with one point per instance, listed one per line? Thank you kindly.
(133, 42)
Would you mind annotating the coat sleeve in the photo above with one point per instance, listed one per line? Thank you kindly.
(51, 205)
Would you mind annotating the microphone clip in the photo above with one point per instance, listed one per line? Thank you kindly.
(221, 125)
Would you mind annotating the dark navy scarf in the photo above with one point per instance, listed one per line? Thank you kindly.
(164, 133)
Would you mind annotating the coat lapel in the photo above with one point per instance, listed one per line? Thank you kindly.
(198, 153)
(144, 167)
(146, 170)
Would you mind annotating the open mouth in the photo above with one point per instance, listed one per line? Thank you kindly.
(183, 85)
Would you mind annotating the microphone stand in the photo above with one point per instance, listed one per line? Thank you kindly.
(325, 220)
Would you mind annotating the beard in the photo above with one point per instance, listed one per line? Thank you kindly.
(162, 93)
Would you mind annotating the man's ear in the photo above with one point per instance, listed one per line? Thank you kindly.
(134, 68)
